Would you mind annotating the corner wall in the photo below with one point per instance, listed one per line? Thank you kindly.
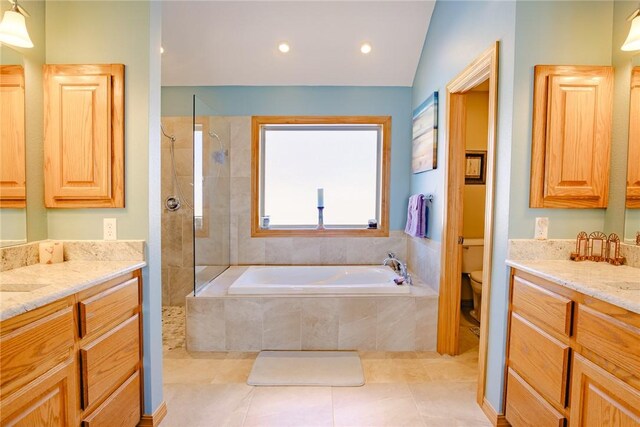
(80, 32)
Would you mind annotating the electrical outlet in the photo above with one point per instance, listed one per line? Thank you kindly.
(542, 228)
(110, 229)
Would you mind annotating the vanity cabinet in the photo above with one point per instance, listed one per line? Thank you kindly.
(572, 360)
(84, 136)
(571, 140)
(12, 146)
(76, 361)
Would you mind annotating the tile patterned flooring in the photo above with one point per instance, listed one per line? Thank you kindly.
(402, 389)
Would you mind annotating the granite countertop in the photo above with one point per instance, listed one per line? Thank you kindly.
(617, 285)
(40, 284)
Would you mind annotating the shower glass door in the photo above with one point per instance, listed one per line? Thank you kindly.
(211, 194)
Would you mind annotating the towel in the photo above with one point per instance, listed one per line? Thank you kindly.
(415, 216)
(424, 217)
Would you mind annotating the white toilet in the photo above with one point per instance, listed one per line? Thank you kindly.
(472, 252)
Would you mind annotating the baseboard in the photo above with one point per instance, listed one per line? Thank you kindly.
(498, 420)
(154, 419)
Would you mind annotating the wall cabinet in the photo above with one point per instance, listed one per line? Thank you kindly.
(12, 143)
(76, 361)
(84, 136)
(571, 141)
(633, 166)
(572, 360)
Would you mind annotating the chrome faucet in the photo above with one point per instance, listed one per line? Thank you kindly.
(398, 266)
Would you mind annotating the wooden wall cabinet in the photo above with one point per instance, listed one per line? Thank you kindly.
(572, 360)
(571, 141)
(633, 167)
(77, 361)
(12, 137)
(84, 136)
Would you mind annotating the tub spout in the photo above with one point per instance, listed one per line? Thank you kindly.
(399, 267)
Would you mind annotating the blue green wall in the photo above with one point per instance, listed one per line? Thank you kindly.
(530, 33)
(315, 100)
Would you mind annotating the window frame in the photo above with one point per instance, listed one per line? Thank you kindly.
(257, 122)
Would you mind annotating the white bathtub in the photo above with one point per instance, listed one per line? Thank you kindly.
(310, 280)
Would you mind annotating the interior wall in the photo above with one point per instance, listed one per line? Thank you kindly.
(315, 100)
(477, 124)
(459, 32)
(79, 32)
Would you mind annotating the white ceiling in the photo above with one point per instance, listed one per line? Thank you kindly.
(220, 43)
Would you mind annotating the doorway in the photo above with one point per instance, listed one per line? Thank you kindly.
(484, 70)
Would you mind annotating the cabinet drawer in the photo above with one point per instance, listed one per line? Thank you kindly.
(600, 399)
(107, 306)
(616, 341)
(122, 408)
(34, 348)
(542, 306)
(110, 359)
(540, 359)
(525, 407)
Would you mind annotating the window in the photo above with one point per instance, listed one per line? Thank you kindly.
(293, 157)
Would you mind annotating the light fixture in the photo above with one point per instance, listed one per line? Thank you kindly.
(633, 39)
(13, 29)
(365, 48)
(284, 47)
(161, 50)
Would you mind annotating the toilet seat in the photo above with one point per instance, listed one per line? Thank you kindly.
(476, 276)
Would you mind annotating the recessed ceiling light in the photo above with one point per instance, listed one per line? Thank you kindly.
(161, 50)
(365, 48)
(284, 47)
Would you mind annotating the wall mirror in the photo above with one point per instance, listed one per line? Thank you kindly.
(632, 211)
(13, 202)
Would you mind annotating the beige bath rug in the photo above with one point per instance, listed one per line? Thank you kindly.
(307, 368)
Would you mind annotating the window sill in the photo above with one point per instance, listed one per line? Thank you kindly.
(327, 232)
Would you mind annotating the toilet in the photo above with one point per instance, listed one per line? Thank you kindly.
(472, 253)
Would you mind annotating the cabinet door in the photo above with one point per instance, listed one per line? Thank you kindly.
(84, 136)
(633, 168)
(600, 399)
(50, 400)
(571, 136)
(12, 149)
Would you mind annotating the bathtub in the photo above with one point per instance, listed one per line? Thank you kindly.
(314, 280)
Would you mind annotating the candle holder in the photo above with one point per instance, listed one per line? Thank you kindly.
(320, 218)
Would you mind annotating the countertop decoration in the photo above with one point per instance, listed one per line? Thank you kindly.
(613, 250)
(582, 247)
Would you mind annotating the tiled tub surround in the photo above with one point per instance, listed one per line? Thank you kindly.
(177, 243)
(617, 285)
(51, 282)
(74, 250)
(218, 322)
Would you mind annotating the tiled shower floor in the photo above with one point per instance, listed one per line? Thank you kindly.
(402, 389)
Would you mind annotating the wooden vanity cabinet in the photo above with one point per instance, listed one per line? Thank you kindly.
(571, 142)
(572, 360)
(76, 362)
(84, 136)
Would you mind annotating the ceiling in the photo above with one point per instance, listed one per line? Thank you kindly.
(224, 43)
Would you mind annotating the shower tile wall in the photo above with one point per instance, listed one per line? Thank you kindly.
(246, 250)
(177, 227)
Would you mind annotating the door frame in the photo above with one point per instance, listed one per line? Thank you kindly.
(482, 68)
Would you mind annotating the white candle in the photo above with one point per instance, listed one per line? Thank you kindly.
(321, 197)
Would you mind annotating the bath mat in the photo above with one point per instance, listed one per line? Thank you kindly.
(475, 330)
(307, 368)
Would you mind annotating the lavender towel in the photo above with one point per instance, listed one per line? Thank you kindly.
(424, 216)
(415, 217)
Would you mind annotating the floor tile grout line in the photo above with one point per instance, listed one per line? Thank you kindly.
(246, 412)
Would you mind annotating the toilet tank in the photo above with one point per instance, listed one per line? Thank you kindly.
(472, 251)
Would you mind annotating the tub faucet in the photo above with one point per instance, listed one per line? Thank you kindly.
(398, 266)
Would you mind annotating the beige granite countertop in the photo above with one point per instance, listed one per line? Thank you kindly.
(50, 282)
(617, 285)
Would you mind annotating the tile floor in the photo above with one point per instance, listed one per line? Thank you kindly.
(402, 389)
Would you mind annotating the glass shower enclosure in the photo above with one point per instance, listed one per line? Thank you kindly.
(211, 193)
